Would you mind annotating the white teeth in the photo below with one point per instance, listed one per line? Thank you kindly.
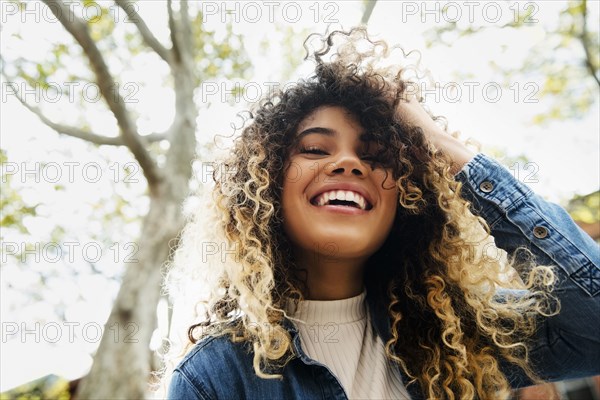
(345, 195)
(361, 203)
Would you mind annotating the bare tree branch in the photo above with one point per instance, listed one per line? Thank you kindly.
(60, 128)
(186, 31)
(585, 41)
(157, 136)
(70, 130)
(368, 11)
(174, 32)
(147, 35)
(78, 29)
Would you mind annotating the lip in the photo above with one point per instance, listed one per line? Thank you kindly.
(354, 187)
(340, 209)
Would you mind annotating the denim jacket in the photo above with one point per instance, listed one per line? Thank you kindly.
(565, 346)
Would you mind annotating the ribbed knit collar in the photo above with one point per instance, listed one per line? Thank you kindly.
(339, 311)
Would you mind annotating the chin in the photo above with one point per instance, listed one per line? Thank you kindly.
(345, 246)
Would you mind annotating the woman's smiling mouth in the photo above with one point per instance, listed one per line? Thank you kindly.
(345, 197)
(342, 198)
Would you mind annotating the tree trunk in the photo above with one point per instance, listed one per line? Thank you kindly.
(121, 368)
(122, 364)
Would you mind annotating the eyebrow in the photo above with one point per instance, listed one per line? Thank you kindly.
(316, 129)
(363, 137)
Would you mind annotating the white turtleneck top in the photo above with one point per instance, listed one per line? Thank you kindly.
(338, 334)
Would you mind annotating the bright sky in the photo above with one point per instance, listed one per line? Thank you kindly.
(566, 153)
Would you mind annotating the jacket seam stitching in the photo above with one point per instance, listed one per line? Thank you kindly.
(202, 394)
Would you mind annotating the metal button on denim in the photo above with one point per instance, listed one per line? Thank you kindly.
(540, 232)
(486, 186)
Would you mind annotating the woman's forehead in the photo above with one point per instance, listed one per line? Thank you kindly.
(332, 118)
(314, 123)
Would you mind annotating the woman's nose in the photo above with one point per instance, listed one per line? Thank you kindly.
(347, 163)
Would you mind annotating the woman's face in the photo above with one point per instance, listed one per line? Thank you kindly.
(333, 202)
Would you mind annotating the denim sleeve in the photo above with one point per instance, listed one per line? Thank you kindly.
(181, 388)
(566, 345)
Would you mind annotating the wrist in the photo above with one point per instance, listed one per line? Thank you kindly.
(454, 148)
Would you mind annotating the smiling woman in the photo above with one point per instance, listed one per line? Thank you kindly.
(333, 168)
(360, 232)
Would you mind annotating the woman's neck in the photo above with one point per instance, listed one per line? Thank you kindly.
(333, 279)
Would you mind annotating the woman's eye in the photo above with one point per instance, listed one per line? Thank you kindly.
(312, 150)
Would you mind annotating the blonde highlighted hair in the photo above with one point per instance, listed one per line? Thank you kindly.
(433, 274)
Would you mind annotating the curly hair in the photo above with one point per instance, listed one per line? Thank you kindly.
(433, 273)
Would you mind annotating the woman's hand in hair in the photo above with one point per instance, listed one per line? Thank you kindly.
(412, 113)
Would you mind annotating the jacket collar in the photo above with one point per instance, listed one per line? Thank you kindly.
(381, 325)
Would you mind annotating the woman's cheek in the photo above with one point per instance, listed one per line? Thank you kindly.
(293, 172)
